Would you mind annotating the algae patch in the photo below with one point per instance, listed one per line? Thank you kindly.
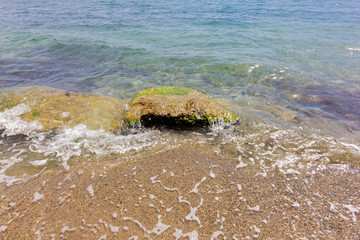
(165, 91)
(9, 101)
(54, 108)
(176, 107)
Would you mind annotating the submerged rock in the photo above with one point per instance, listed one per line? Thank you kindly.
(175, 106)
(8, 100)
(54, 108)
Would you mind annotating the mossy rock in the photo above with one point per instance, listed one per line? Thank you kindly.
(8, 101)
(165, 91)
(175, 106)
(54, 108)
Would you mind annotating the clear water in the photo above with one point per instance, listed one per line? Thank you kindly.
(120, 47)
(289, 68)
(271, 59)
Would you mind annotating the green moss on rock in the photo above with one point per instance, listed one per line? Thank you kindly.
(35, 113)
(54, 108)
(7, 102)
(175, 106)
(165, 91)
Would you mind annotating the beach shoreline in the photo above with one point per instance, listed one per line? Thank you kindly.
(184, 192)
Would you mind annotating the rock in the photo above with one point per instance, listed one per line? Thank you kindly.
(54, 108)
(9, 100)
(175, 106)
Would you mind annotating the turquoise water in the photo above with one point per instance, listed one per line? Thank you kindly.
(227, 49)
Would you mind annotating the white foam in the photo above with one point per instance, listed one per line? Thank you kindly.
(288, 189)
(191, 235)
(222, 129)
(37, 197)
(253, 67)
(239, 188)
(137, 222)
(256, 208)
(353, 48)
(67, 229)
(3, 228)
(256, 229)
(153, 179)
(5, 164)
(160, 227)
(79, 140)
(178, 233)
(216, 234)
(191, 216)
(63, 198)
(353, 210)
(290, 171)
(12, 123)
(114, 229)
(195, 189)
(332, 207)
(342, 216)
(39, 162)
(356, 147)
(241, 164)
(170, 189)
(90, 190)
(103, 222)
(103, 237)
(263, 174)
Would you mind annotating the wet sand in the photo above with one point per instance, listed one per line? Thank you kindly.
(185, 192)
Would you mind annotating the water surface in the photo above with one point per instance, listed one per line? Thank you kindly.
(289, 69)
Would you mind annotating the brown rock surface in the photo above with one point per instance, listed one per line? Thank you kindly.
(192, 107)
(54, 108)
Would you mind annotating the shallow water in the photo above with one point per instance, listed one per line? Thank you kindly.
(300, 56)
(289, 69)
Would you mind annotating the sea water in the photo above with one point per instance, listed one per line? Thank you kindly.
(227, 49)
(292, 64)
(288, 69)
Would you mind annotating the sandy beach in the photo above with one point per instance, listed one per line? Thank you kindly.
(185, 192)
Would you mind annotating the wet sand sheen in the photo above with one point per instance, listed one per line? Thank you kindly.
(185, 192)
